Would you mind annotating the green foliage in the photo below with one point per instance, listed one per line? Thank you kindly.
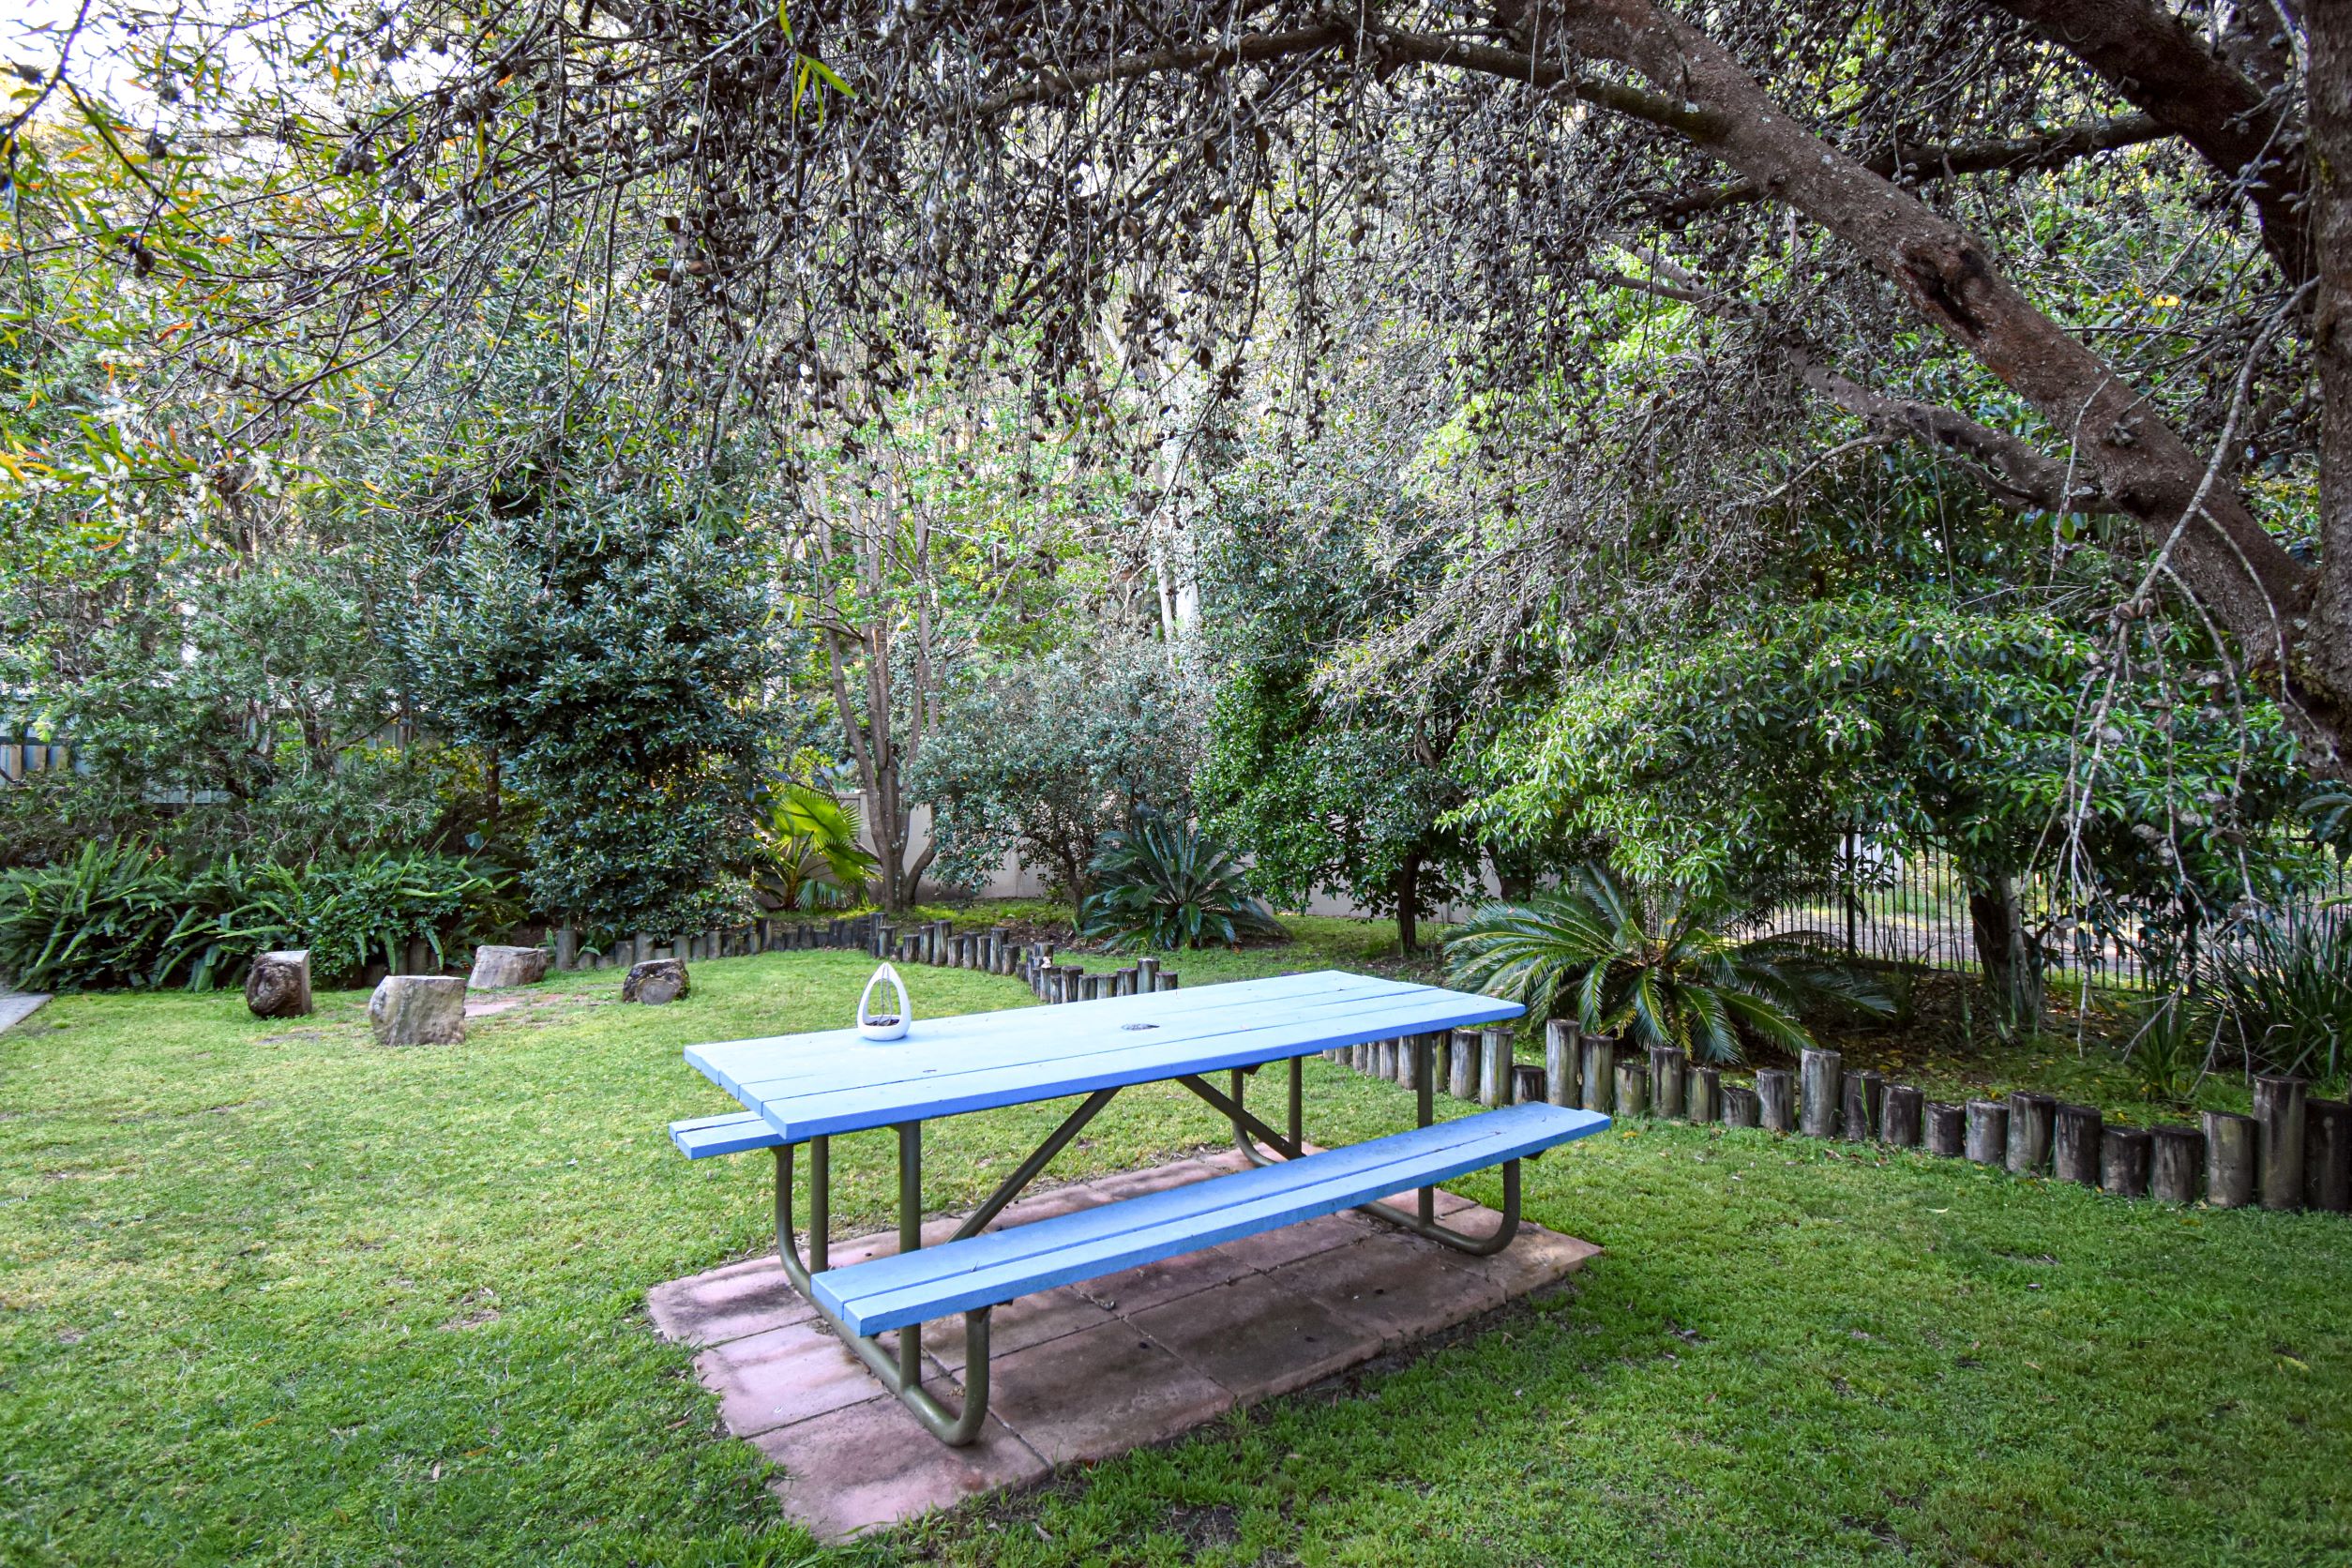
(2280, 993)
(114, 915)
(809, 856)
(1331, 784)
(368, 909)
(1165, 884)
(613, 655)
(124, 915)
(1739, 759)
(1659, 968)
(213, 707)
(1044, 756)
(2169, 1053)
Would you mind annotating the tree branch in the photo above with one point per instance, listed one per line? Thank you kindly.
(2052, 149)
(1389, 45)
(2157, 62)
(2012, 470)
(2016, 472)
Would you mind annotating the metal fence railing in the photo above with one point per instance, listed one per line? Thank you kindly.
(1912, 907)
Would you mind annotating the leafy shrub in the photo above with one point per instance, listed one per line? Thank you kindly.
(2283, 994)
(2169, 1053)
(1162, 884)
(369, 909)
(1045, 757)
(124, 916)
(615, 651)
(1660, 969)
(113, 916)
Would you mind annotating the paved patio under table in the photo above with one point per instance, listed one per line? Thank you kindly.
(1083, 1372)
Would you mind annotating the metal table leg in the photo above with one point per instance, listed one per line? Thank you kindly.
(902, 1373)
(901, 1368)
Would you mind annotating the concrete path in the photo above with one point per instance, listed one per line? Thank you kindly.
(16, 1006)
(1086, 1371)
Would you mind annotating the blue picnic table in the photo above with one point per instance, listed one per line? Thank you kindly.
(805, 1089)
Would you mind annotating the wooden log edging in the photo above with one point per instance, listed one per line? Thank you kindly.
(2327, 1156)
(2075, 1134)
(1946, 1130)
(1899, 1116)
(1819, 1075)
(2175, 1167)
(2279, 1109)
(2032, 1123)
(2294, 1151)
(2229, 1159)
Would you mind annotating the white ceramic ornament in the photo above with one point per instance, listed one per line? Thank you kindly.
(884, 1025)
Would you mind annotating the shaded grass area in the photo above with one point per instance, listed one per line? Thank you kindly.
(273, 1295)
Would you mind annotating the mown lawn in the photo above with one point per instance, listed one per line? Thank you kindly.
(274, 1295)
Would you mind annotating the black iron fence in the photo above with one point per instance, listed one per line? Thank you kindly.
(1912, 907)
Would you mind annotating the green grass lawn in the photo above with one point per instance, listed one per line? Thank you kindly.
(271, 1294)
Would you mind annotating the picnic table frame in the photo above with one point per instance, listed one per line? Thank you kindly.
(899, 1365)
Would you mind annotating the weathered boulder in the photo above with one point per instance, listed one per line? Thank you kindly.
(418, 1010)
(656, 981)
(279, 985)
(496, 968)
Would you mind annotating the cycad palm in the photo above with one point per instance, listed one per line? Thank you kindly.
(1661, 971)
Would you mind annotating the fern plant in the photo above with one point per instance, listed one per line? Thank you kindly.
(1162, 883)
(1661, 969)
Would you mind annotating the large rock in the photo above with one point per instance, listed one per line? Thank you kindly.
(418, 1010)
(496, 968)
(279, 985)
(655, 982)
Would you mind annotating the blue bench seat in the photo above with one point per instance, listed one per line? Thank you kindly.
(699, 1137)
(994, 1267)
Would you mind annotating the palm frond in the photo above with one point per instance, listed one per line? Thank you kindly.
(1660, 965)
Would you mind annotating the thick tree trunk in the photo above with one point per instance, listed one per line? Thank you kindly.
(2010, 955)
(2329, 37)
(1409, 902)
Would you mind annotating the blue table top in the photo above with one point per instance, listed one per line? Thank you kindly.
(811, 1085)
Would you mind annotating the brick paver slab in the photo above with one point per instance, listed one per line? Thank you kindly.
(727, 1303)
(1256, 1343)
(1086, 1371)
(1398, 1286)
(853, 1469)
(1017, 1324)
(782, 1376)
(1100, 1393)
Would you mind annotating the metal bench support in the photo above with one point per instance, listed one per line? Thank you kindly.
(902, 1372)
(1249, 1133)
